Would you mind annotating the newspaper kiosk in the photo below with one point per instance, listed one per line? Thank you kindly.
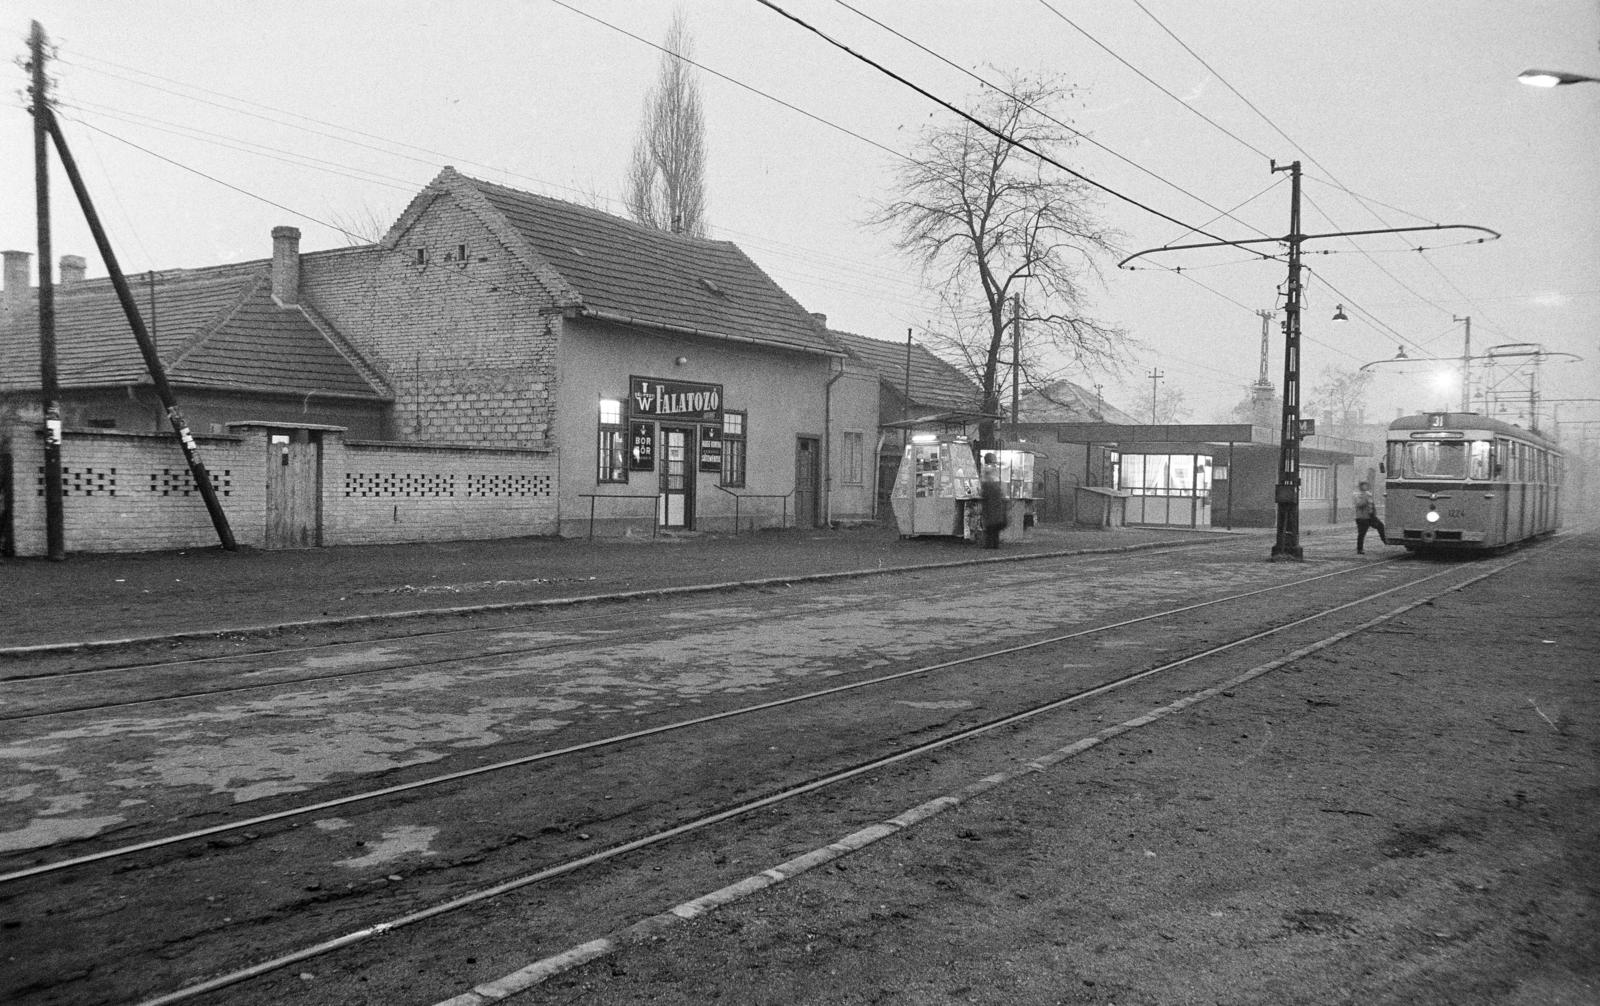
(936, 480)
(1014, 472)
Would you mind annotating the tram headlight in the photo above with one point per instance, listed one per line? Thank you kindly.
(1433, 517)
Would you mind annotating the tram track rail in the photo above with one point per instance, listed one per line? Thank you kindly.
(585, 611)
(614, 740)
(549, 966)
(37, 651)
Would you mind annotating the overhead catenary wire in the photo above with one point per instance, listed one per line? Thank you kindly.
(1364, 201)
(979, 123)
(1067, 126)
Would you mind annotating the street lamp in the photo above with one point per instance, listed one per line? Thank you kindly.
(1554, 78)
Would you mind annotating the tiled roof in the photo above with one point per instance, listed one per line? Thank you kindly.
(214, 328)
(264, 347)
(934, 384)
(1066, 402)
(623, 270)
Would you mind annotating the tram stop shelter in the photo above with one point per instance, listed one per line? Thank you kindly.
(1196, 475)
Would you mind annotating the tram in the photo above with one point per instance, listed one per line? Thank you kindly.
(1460, 482)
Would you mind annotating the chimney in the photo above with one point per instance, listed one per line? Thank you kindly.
(286, 265)
(72, 269)
(16, 288)
(820, 319)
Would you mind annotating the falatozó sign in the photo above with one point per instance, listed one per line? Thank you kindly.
(655, 398)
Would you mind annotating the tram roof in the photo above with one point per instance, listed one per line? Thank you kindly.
(1468, 421)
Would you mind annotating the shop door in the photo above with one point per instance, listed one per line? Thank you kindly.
(676, 509)
(807, 474)
(294, 497)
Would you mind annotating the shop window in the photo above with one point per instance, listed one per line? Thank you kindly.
(612, 455)
(733, 448)
(854, 458)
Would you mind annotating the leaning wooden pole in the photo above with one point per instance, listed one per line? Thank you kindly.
(147, 346)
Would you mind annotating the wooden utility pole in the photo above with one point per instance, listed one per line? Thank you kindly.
(1016, 360)
(44, 123)
(49, 383)
(1155, 376)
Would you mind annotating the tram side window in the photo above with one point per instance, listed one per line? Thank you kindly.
(1396, 468)
(1432, 460)
(1480, 460)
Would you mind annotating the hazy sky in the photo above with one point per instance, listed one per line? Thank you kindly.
(1403, 113)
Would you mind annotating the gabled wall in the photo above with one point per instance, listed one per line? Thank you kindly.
(468, 343)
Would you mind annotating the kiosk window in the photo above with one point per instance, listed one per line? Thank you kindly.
(733, 448)
(612, 453)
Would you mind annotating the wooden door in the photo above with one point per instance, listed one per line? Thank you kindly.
(807, 476)
(294, 490)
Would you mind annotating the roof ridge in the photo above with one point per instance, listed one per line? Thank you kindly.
(211, 327)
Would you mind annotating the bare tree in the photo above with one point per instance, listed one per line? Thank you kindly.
(666, 178)
(361, 225)
(1341, 396)
(1170, 406)
(1006, 238)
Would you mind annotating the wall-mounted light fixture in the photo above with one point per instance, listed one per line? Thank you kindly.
(680, 361)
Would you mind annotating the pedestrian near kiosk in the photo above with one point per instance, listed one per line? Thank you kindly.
(1366, 517)
(993, 502)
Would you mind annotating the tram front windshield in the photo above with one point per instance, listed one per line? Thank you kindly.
(1432, 459)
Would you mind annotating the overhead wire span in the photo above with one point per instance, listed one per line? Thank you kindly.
(811, 257)
(974, 120)
(1067, 126)
(1364, 201)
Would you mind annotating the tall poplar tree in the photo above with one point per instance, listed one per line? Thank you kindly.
(666, 178)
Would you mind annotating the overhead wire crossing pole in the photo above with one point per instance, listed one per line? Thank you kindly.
(49, 382)
(1286, 491)
(45, 121)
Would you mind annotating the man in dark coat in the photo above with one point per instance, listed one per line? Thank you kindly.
(993, 502)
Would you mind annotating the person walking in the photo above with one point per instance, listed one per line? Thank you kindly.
(993, 502)
(1366, 517)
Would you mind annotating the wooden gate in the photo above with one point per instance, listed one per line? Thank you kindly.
(294, 489)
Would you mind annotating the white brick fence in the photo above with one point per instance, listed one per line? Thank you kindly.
(132, 492)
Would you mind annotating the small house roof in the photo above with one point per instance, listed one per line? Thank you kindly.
(933, 383)
(215, 328)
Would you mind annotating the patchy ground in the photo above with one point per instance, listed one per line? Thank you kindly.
(1412, 817)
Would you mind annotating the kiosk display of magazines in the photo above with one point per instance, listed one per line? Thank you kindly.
(937, 477)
